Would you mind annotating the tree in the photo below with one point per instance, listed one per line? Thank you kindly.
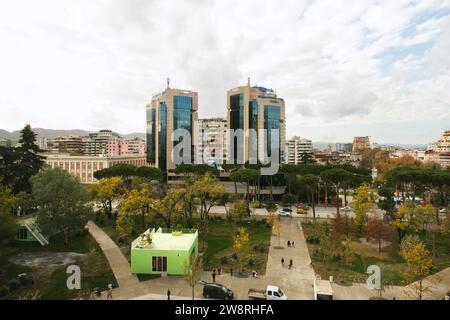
(363, 202)
(137, 202)
(209, 192)
(246, 176)
(238, 211)
(335, 177)
(18, 165)
(62, 202)
(30, 161)
(349, 252)
(25, 203)
(7, 221)
(341, 224)
(106, 191)
(311, 183)
(289, 199)
(378, 230)
(386, 201)
(405, 221)
(125, 225)
(240, 245)
(418, 264)
(169, 206)
(193, 269)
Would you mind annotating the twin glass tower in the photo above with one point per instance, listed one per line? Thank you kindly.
(248, 107)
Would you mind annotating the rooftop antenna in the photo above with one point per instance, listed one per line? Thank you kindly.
(168, 83)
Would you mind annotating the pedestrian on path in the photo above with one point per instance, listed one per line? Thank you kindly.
(282, 262)
(231, 272)
(109, 296)
(292, 244)
(168, 294)
(214, 276)
(289, 243)
(290, 264)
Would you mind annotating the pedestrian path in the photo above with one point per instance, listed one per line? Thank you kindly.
(298, 281)
(117, 261)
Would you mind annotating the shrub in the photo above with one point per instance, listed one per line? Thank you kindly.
(235, 256)
(259, 248)
(4, 292)
(251, 262)
(13, 285)
(336, 257)
(313, 239)
(224, 260)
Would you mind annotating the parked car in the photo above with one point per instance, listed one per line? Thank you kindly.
(285, 212)
(301, 211)
(217, 291)
(302, 206)
(270, 293)
(346, 209)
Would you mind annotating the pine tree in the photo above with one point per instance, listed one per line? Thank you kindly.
(30, 162)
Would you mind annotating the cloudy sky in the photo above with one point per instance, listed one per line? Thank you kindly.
(345, 68)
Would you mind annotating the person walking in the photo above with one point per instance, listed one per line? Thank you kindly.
(289, 243)
(168, 294)
(109, 296)
(231, 272)
(282, 262)
(214, 276)
(292, 244)
(290, 264)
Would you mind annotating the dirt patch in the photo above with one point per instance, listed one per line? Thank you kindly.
(370, 249)
(46, 259)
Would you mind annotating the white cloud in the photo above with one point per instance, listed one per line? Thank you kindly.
(90, 64)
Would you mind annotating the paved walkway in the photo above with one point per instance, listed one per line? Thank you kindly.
(128, 283)
(298, 281)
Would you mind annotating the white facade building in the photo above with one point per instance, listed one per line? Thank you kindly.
(211, 143)
(296, 147)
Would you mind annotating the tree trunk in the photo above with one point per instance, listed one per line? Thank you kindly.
(313, 206)
(110, 209)
(271, 188)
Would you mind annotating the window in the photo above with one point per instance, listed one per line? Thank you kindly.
(159, 264)
(162, 135)
(22, 234)
(271, 121)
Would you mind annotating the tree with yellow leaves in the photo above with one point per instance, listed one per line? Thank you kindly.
(106, 191)
(363, 202)
(137, 202)
(418, 265)
(240, 245)
(7, 201)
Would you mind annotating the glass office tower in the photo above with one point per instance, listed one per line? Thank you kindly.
(254, 107)
(168, 111)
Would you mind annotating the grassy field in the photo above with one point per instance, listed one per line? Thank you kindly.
(51, 281)
(389, 261)
(218, 244)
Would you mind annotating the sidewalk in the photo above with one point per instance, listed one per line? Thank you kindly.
(297, 282)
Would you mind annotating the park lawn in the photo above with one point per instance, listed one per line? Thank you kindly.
(355, 271)
(390, 262)
(51, 282)
(218, 243)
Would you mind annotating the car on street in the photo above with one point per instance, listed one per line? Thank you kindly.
(346, 209)
(285, 212)
(302, 211)
(270, 293)
(217, 291)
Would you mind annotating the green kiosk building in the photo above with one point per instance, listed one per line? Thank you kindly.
(163, 251)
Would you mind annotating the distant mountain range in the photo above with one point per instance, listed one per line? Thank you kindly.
(51, 134)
